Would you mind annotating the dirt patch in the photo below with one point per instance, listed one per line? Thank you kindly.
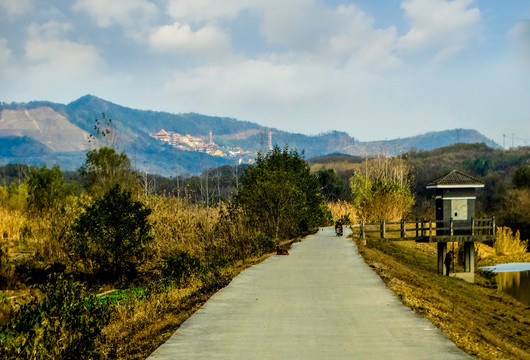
(483, 322)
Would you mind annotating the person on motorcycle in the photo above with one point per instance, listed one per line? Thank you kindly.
(338, 226)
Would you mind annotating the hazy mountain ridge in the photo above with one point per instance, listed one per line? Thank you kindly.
(67, 146)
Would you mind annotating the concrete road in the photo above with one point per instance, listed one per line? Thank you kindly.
(320, 302)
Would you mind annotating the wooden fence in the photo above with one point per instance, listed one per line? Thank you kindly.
(429, 230)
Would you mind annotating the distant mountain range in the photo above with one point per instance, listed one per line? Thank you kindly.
(41, 132)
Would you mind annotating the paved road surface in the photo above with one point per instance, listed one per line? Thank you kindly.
(320, 302)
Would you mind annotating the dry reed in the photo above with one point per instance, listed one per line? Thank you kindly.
(508, 243)
(343, 210)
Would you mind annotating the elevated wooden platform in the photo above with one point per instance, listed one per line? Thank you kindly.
(437, 231)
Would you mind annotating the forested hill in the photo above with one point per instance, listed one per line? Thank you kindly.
(41, 132)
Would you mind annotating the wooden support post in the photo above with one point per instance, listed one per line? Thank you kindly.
(469, 256)
(417, 227)
(430, 230)
(403, 232)
(363, 234)
(442, 251)
(383, 229)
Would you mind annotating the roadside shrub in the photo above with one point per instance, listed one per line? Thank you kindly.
(262, 244)
(111, 235)
(65, 324)
(508, 243)
(179, 267)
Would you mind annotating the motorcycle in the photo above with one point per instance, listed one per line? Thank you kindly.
(338, 230)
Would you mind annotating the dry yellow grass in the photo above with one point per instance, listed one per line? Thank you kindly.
(179, 226)
(11, 221)
(508, 243)
(341, 210)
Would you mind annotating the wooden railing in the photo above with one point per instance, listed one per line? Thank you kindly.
(426, 230)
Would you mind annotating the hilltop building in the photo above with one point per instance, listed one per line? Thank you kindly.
(205, 144)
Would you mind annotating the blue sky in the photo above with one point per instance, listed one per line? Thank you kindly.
(376, 69)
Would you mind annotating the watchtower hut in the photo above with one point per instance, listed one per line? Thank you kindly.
(455, 212)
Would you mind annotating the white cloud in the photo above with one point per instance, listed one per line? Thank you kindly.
(256, 88)
(377, 51)
(55, 67)
(299, 24)
(345, 33)
(448, 25)
(62, 55)
(132, 15)
(49, 30)
(15, 7)
(180, 38)
(206, 10)
(48, 51)
(250, 81)
(5, 53)
(520, 34)
(306, 28)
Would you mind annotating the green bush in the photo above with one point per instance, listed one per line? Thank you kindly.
(47, 189)
(521, 177)
(110, 237)
(179, 267)
(104, 168)
(65, 324)
(262, 244)
(280, 197)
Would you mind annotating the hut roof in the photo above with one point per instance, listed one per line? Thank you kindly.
(455, 179)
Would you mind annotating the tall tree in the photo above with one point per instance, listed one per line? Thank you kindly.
(280, 197)
(382, 189)
(105, 168)
(331, 184)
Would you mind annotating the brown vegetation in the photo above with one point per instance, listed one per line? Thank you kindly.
(343, 210)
